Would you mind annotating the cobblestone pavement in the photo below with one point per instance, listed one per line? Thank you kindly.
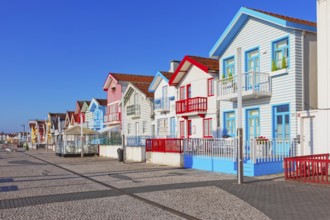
(39, 185)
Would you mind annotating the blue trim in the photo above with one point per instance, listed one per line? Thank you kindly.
(225, 131)
(247, 121)
(272, 46)
(273, 117)
(238, 22)
(224, 64)
(158, 74)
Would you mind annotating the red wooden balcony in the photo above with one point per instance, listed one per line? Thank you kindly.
(197, 105)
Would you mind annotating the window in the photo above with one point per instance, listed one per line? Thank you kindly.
(229, 124)
(208, 127)
(280, 54)
(252, 61)
(210, 87)
(188, 91)
(162, 126)
(182, 93)
(228, 67)
(144, 127)
(182, 129)
(128, 128)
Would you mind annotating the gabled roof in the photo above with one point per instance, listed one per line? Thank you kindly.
(160, 75)
(56, 115)
(244, 14)
(102, 102)
(143, 87)
(125, 78)
(205, 64)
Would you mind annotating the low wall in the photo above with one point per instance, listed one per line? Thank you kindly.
(109, 151)
(136, 154)
(168, 159)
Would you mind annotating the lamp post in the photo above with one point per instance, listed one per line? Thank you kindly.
(81, 136)
(239, 120)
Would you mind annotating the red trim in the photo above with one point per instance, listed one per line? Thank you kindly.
(192, 62)
(197, 104)
(109, 75)
(210, 128)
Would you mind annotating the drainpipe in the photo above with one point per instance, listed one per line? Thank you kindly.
(240, 172)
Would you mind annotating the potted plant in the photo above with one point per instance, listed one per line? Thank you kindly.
(284, 64)
(274, 67)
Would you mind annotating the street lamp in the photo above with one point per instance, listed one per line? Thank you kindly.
(239, 120)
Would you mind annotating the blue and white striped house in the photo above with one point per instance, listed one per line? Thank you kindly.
(278, 71)
(95, 114)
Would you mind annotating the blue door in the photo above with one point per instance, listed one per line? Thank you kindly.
(252, 126)
(281, 129)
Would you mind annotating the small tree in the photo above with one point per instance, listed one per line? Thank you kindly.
(230, 76)
(274, 67)
(284, 65)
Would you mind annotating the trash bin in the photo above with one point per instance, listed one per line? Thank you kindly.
(120, 153)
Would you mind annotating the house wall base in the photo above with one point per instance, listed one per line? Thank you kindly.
(136, 153)
(109, 151)
(168, 159)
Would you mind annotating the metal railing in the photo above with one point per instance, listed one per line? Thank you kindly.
(163, 145)
(134, 141)
(312, 168)
(253, 83)
(197, 104)
(162, 104)
(133, 110)
(254, 151)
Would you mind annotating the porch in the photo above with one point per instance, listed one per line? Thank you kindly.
(220, 155)
(254, 85)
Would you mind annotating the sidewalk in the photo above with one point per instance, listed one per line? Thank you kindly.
(200, 194)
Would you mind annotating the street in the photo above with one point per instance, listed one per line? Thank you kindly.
(36, 184)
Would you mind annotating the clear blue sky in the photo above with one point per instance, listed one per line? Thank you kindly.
(54, 52)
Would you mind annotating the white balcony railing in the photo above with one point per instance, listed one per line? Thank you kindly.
(254, 85)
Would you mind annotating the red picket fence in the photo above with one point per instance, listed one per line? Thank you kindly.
(311, 168)
(169, 145)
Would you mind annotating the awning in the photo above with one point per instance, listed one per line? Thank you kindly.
(76, 130)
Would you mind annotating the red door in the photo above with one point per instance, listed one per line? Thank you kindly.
(189, 127)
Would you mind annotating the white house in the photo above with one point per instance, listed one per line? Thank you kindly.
(196, 107)
(278, 73)
(137, 113)
(164, 103)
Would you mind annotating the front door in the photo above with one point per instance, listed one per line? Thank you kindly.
(281, 132)
(253, 124)
(308, 135)
(189, 128)
(252, 69)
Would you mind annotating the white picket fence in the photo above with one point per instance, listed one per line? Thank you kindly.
(254, 151)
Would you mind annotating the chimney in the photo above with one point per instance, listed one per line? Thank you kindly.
(173, 65)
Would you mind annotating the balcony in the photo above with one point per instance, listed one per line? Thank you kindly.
(133, 110)
(254, 85)
(191, 106)
(162, 105)
(112, 118)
